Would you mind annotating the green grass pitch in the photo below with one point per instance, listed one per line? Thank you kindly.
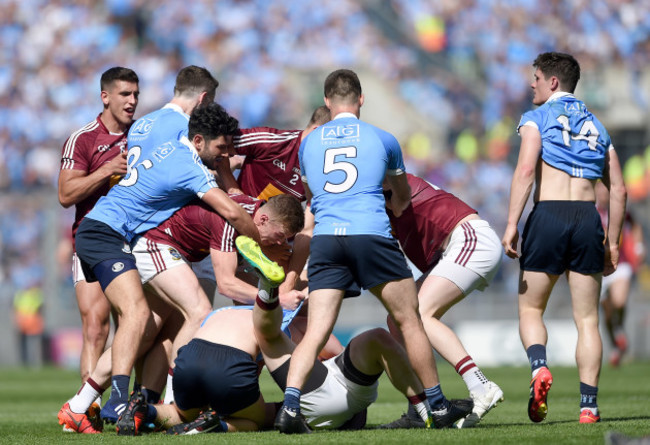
(30, 400)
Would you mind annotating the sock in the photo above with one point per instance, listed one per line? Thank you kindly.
(588, 396)
(151, 396)
(85, 397)
(537, 357)
(420, 405)
(292, 398)
(436, 398)
(150, 415)
(169, 388)
(472, 375)
(119, 389)
(267, 296)
(224, 427)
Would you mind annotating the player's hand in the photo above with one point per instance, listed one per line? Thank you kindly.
(117, 165)
(510, 240)
(290, 300)
(280, 253)
(611, 259)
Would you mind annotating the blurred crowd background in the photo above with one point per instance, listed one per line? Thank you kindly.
(449, 77)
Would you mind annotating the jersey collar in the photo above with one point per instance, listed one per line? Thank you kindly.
(185, 141)
(557, 95)
(345, 114)
(176, 108)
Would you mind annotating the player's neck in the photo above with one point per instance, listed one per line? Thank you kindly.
(112, 124)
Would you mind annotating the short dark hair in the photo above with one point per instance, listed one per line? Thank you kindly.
(343, 84)
(117, 73)
(288, 211)
(211, 122)
(320, 116)
(563, 66)
(195, 80)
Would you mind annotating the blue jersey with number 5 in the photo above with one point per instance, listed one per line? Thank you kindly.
(344, 163)
(573, 140)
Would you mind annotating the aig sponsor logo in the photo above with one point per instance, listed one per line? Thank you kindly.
(331, 132)
(142, 126)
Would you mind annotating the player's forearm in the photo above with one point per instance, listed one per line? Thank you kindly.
(520, 188)
(74, 190)
(237, 290)
(617, 201)
(297, 261)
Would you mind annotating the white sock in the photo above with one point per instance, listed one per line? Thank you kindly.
(473, 377)
(83, 399)
(265, 292)
(169, 390)
(98, 400)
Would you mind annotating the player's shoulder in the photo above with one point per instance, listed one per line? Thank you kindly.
(88, 131)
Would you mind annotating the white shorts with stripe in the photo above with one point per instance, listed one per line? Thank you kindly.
(153, 258)
(336, 400)
(623, 272)
(472, 257)
(77, 271)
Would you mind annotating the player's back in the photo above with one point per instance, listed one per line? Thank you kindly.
(345, 162)
(158, 127)
(157, 183)
(271, 164)
(573, 139)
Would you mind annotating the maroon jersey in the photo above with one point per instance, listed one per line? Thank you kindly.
(196, 228)
(271, 166)
(427, 221)
(87, 149)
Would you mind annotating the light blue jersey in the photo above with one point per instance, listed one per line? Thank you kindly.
(344, 163)
(573, 140)
(160, 126)
(157, 183)
(287, 315)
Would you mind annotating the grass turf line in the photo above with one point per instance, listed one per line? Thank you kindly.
(30, 400)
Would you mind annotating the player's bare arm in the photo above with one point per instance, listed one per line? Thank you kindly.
(300, 253)
(401, 196)
(522, 184)
(77, 185)
(613, 180)
(233, 212)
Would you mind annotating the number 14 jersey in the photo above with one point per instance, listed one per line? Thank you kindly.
(573, 140)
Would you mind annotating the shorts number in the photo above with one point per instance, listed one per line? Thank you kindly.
(132, 159)
(588, 132)
(350, 170)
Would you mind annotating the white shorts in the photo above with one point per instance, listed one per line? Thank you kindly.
(153, 258)
(77, 271)
(623, 272)
(472, 257)
(336, 400)
(203, 269)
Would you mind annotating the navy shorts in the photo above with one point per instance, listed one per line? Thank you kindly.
(221, 376)
(563, 235)
(337, 262)
(103, 253)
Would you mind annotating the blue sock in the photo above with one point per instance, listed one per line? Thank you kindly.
(292, 398)
(588, 396)
(536, 356)
(150, 416)
(436, 398)
(151, 396)
(120, 388)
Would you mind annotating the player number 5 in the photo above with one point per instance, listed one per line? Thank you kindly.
(332, 164)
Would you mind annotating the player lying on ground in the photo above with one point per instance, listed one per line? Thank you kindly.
(336, 394)
(166, 270)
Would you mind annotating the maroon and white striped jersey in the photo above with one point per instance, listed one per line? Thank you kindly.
(271, 166)
(196, 228)
(87, 149)
(426, 223)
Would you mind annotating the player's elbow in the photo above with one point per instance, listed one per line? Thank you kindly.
(65, 201)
